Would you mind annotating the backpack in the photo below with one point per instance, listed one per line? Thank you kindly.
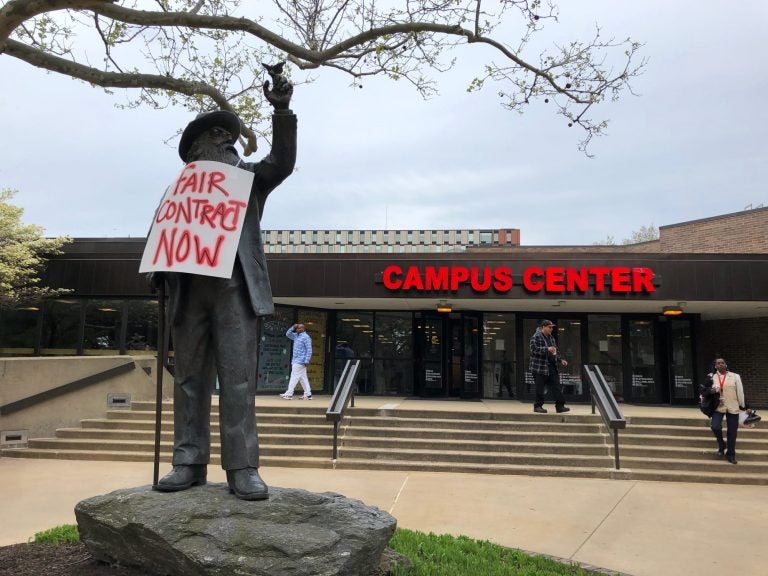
(708, 400)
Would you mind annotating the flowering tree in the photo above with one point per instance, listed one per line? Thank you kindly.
(22, 255)
(209, 53)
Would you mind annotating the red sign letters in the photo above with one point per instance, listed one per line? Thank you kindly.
(549, 280)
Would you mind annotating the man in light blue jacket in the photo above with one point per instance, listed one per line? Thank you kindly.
(302, 353)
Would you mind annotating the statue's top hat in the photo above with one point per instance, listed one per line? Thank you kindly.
(202, 122)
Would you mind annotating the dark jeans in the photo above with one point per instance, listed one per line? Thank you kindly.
(732, 424)
(549, 382)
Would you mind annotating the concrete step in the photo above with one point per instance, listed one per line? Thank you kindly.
(493, 449)
(355, 431)
(350, 463)
(324, 438)
(297, 434)
(167, 426)
(165, 457)
(695, 420)
(522, 458)
(476, 425)
(167, 416)
(748, 463)
(700, 441)
(295, 406)
(318, 450)
(691, 431)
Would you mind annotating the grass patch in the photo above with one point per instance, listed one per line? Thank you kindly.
(65, 534)
(444, 555)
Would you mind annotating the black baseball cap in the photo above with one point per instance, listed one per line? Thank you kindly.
(547, 323)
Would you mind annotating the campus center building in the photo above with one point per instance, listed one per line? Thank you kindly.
(449, 313)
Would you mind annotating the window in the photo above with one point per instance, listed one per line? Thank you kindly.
(18, 331)
(61, 327)
(356, 330)
(485, 238)
(141, 333)
(102, 327)
(394, 335)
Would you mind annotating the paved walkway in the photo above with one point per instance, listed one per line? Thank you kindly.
(638, 528)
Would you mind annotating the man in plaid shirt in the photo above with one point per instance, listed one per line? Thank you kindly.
(544, 359)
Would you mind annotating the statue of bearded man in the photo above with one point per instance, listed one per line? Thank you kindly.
(214, 321)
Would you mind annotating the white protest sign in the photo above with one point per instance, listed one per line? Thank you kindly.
(197, 226)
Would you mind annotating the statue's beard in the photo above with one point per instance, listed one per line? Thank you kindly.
(202, 150)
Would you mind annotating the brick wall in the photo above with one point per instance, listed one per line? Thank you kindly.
(743, 342)
(743, 232)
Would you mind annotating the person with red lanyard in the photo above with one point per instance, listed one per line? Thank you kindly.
(728, 384)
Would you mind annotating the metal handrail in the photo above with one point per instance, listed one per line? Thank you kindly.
(344, 391)
(63, 389)
(602, 396)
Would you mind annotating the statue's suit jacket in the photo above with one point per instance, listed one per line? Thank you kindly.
(268, 174)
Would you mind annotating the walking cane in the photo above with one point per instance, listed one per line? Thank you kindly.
(161, 354)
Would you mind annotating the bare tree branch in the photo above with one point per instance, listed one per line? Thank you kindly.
(198, 53)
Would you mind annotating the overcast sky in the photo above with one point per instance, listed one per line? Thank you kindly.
(693, 144)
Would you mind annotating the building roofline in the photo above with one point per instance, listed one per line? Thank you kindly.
(711, 218)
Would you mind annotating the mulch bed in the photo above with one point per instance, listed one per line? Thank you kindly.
(52, 560)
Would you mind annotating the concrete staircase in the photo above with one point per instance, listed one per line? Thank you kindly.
(297, 435)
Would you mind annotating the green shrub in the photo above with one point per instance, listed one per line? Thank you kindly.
(66, 534)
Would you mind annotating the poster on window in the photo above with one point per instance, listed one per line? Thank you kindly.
(275, 352)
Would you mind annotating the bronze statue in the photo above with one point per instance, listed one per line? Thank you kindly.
(214, 321)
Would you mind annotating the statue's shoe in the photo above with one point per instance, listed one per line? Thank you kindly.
(246, 484)
(183, 477)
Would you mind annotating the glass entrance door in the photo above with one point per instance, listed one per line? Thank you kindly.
(447, 355)
(643, 378)
(568, 337)
(681, 364)
(431, 377)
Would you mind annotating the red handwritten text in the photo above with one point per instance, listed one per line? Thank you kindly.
(191, 181)
(177, 246)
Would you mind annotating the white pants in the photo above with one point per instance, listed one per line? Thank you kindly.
(299, 372)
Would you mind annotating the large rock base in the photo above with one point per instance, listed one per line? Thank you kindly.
(205, 531)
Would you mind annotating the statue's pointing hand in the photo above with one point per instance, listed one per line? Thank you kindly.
(279, 93)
